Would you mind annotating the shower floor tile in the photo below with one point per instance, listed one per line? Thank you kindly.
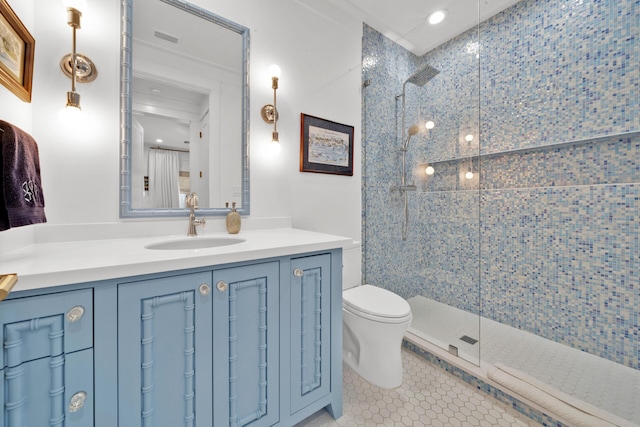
(446, 327)
(429, 396)
(600, 382)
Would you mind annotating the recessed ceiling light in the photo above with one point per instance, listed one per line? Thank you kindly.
(159, 141)
(436, 17)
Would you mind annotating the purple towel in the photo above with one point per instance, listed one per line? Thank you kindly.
(21, 198)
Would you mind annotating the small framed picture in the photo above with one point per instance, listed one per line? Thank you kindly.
(16, 53)
(325, 146)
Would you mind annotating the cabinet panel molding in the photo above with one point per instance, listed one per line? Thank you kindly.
(162, 323)
(36, 327)
(150, 308)
(40, 392)
(310, 330)
(246, 337)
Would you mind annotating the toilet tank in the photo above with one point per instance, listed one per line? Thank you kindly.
(351, 266)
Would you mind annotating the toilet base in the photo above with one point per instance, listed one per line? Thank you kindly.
(388, 382)
(375, 351)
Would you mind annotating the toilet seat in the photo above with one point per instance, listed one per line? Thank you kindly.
(378, 304)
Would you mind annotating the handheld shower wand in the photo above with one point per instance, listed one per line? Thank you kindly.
(413, 130)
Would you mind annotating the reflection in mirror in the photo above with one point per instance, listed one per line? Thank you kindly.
(162, 140)
(184, 110)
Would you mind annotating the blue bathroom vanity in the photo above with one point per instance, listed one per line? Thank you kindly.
(247, 334)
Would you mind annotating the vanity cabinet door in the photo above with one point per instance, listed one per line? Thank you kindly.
(164, 351)
(310, 289)
(47, 359)
(52, 391)
(246, 345)
(48, 325)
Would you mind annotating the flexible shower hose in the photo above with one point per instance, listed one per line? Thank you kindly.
(405, 225)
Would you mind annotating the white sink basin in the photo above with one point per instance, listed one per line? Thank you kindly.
(194, 243)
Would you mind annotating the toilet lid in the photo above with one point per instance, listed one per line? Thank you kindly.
(376, 301)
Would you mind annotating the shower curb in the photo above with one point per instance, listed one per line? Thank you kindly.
(514, 403)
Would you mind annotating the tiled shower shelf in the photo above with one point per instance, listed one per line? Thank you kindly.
(533, 149)
(573, 163)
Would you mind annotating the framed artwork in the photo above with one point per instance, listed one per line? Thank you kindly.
(325, 146)
(16, 53)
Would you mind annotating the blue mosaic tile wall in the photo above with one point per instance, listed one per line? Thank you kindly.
(546, 235)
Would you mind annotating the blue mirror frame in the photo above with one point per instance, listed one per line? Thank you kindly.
(126, 73)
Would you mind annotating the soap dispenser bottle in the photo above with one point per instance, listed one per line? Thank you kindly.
(233, 219)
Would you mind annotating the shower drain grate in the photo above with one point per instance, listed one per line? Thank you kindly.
(468, 339)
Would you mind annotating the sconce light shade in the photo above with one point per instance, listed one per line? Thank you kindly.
(274, 71)
(70, 115)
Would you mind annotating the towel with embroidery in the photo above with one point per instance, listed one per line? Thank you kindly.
(21, 198)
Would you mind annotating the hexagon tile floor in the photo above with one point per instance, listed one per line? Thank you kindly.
(429, 396)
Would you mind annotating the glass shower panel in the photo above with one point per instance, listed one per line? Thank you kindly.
(421, 183)
(559, 200)
(446, 310)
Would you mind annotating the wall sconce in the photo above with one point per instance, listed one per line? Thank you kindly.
(79, 68)
(269, 112)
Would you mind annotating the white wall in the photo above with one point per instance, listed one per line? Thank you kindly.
(320, 61)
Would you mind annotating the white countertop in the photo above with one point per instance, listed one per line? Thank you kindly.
(45, 265)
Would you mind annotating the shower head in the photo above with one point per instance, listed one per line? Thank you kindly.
(419, 78)
(422, 76)
(414, 129)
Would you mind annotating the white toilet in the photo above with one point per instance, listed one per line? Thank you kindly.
(374, 323)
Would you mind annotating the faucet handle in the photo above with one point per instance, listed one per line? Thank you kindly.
(192, 200)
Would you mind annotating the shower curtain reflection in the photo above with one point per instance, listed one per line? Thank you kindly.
(164, 178)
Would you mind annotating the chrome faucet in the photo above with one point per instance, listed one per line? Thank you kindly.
(191, 201)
